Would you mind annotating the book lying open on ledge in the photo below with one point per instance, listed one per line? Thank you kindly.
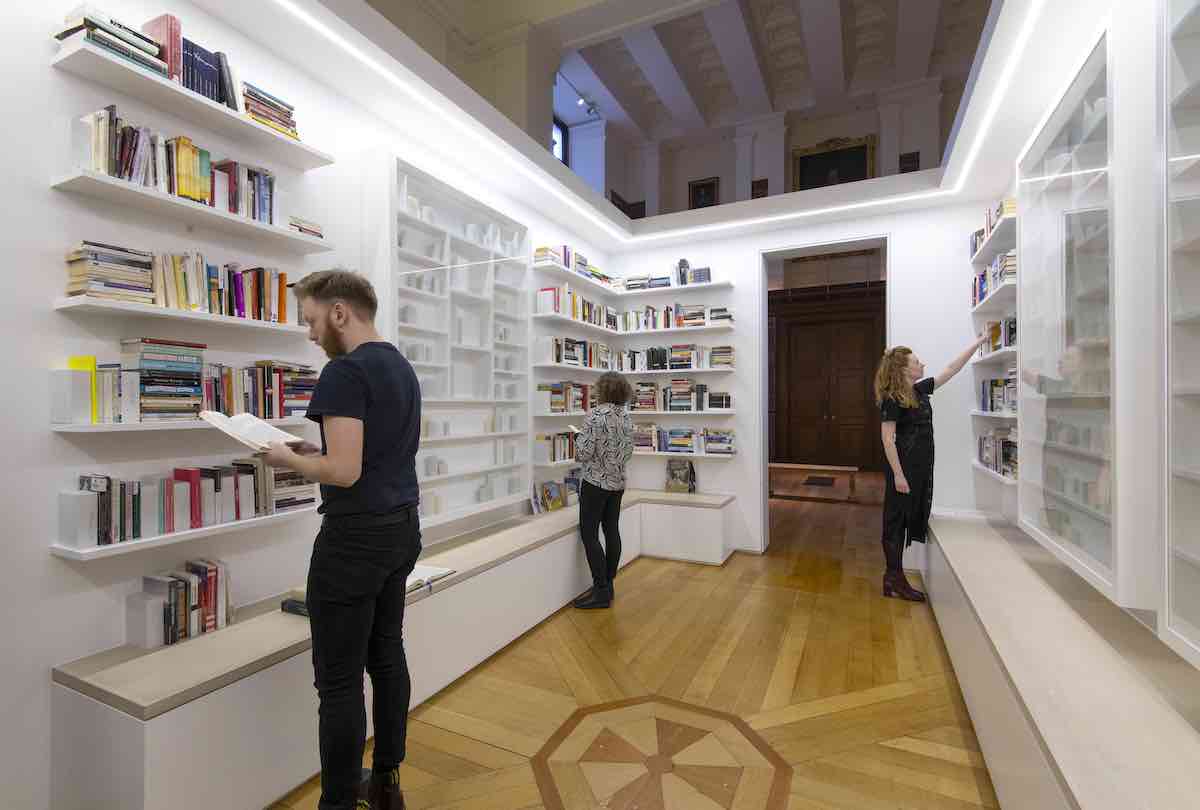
(249, 430)
(423, 576)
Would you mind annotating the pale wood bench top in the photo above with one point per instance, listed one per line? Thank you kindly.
(147, 683)
(830, 467)
(1115, 737)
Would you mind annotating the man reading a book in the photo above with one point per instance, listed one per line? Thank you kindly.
(368, 405)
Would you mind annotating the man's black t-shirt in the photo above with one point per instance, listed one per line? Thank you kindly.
(375, 384)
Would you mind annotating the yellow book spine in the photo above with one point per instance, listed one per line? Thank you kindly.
(87, 362)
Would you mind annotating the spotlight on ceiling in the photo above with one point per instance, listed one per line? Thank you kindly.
(579, 102)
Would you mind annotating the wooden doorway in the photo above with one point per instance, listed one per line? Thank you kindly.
(824, 343)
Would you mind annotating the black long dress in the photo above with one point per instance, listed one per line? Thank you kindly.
(906, 517)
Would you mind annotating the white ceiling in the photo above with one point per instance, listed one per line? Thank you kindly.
(737, 59)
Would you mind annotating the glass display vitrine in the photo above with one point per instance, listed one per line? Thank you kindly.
(1065, 312)
(1183, 310)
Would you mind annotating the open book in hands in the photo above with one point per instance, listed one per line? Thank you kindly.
(250, 430)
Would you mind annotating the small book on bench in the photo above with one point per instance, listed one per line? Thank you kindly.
(423, 576)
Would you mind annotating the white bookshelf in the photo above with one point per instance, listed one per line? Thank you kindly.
(999, 302)
(84, 304)
(993, 415)
(165, 425)
(679, 330)
(1002, 239)
(547, 465)
(588, 284)
(121, 192)
(134, 546)
(679, 372)
(712, 412)
(583, 326)
(94, 64)
(990, 473)
(1006, 355)
(458, 308)
(661, 454)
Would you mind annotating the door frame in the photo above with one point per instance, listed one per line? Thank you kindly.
(882, 239)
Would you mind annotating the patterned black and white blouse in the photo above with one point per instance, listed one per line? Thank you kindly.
(604, 446)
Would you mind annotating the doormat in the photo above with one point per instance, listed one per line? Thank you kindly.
(818, 481)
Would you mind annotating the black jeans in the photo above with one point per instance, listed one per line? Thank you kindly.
(600, 507)
(356, 589)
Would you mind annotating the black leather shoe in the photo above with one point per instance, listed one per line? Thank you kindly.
(384, 791)
(594, 599)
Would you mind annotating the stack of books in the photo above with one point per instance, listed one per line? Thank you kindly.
(565, 301)
(269, 110)
(571, 352)
(654, 358)
(719, 442)
(269, 389)
(677, 440)
(686, 356)
(553, 447)
(720, 400)
(633, 283)
(111, 273)
(1006, 207)
(977, 239)
(185, 281)
(110, 34)
(720, 315)
(308, 227)
(686, 396)
(659, 282)
(573, 260)
(183, 603)
(998, 451)
(720, 357)
(168, 379)
(110, 510)
(645, 396)
(562, 397)
(687, 315)
(645, 438)
(645, 319)
(999, 395)
(693, 275)
(1002, 335)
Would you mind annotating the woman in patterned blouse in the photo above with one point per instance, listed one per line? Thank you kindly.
(603, 447)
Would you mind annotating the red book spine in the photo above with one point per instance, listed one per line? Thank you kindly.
(192, 476)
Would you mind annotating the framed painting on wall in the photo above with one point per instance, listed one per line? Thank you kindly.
(704, 193)
(832, 162)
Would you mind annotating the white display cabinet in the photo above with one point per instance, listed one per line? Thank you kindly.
(1066, 326)
(456, 307)
(1182, 108)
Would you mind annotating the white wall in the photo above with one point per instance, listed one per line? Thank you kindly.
(927, 308)
(55, 611)
(684, 163)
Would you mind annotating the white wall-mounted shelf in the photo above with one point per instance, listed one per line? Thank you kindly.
(1000, 301)
(1079, 452)
(1075, 506)
(444, 402)
(676, 289)
(421, 330)
(93, 63)
(1003, 479)
(166, 424)
(412, 257)
(437, 479)
(508, 288)
(570, 368)
(413, 292)
(102, 187)
(661, 454)
(512, 347)
(429, 521)
(1002, 239)
(506, 316)
(500, 372)
(422, 366)
(566, 462)
(679, 330)
(134, 546)
(1186, 474)
(563, 320)
(549, 414)
(677, 372)
(993, 415)
(463, 347)
(467, 295)
(554, 268)
(711, 412)
(469, 438)
(1005, 355)
(82, 303)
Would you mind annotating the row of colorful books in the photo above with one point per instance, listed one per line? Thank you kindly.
(680, 395)
(166, 380)
(562, 397)
(998, 451)
(650, 438)
(676, 357)
(1005, 207)
(566, 301)
(160, 47)
(549, 448)
(177, 166)
(106, 510)
(184, 281)
(999, 394)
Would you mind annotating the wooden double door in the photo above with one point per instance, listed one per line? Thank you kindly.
(825, 353)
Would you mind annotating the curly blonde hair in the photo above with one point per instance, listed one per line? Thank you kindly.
(612, 387)
(891, 378)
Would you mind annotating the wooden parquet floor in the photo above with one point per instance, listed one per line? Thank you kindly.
(855, 692)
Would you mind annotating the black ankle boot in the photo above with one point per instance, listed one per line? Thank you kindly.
(595, 598)
(384, 792)
(896, 584)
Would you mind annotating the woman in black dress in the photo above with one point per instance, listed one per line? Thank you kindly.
(902, 391)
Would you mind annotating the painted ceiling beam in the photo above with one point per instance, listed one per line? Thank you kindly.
(729, 26)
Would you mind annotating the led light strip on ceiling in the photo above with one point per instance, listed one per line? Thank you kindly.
(505, 152)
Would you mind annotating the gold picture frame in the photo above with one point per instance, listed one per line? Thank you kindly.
(827, 148)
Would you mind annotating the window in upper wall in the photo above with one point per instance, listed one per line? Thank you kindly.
(559, 138)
